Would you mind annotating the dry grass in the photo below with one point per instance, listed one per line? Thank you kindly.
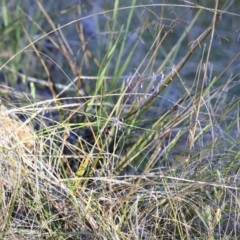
(117, 157)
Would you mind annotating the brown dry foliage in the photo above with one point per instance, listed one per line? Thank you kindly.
(13, 132)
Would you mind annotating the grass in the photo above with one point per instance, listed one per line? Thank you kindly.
(119, 121)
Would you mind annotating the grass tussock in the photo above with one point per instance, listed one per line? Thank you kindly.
(124, 125)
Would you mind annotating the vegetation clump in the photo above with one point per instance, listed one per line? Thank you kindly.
(119, 120)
